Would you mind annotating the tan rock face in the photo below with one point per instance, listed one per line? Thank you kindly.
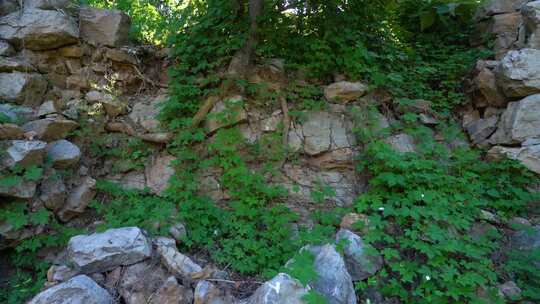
(24, 153)
(50, 128)
(78, 199)
(104, 27)
(519, 73)
(159, 172)
(37, 29)
(145, 113)
(226, 113)
(344, 91)
(10, 131)
(486, 84)
(22, 88)
(520, 121)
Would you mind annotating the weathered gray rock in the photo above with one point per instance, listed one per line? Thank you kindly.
(177, 263)
(282, 289)
(344, 91)
(22, 88)
(360, 263)
(113, 107)
(488, 90)
(45, 4)
(505, 31)
(172, 293)
(52, 191)
(145, 113)
(527, 240)
(226, 113)
(23, 190)
(519, 73)
(6, 49)
(131, 180)
(531, 16)
(60, 273)
(333, 280)
(481, 129)
(402, 143)
(79, 290)
(37, 29)
(178, 231)
(159, 172)
(321, 132)
(10, 131)
(24, 153)
(63, 153)
(497, 7)
(17, 114)
(100, 252)
(8, 6)
(14, 64)
(50, 128)
(48, 107)
(520, 121)
(78, 199)
(528, 156)
(208, 293)
(509, 290)
(102, 27)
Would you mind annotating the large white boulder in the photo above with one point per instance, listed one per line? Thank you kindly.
(519, 122)
(519, 73)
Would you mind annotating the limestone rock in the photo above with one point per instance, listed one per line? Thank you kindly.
(27, 89)
(177, 263)
(8, 6)
(531, 16)
(24, 153)
(48, 107)
(39, 29)
(60, 273)
(53, 191)
(360, 263)
(172, 293)
(12, 64)
(45, 4)
(78, 290)
(226, 113)
(50, 128)
(159, 172)
(100, 252)
(282, 289)
(519, 73)
(527, 240)
(344, 91)
(6, 49)
(497, 7)
(63, 153)
(102, 27)
(22, 190)
(486, 84)
(529, 156)
(519, 122)
(78, 199)
(10, 131)
(208, 293)
(333, 280)
(16, 114)
(402, 143)
(145, 113)
(481, 129)
(505, 29)
(131, 180)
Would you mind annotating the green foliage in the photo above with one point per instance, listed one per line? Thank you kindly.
(128, 152)
(522, 267)
(421, 209)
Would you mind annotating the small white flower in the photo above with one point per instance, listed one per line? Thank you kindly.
(422, 195)
(381, 208)
(428, 278)
(215, 232)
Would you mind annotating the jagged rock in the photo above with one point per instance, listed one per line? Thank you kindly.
(10, 131)
(321, 132)
(22, 88)
(486, 84)
(159, 172)
(50, 128)
(505, 29)
(282, 289)
(402, 143)
(497, 7)
(78, 290)
(519, 73)
(527, 240)
(13, 64)
(24, 153)
(72, 51)
(360, 263)
(113, 107)
(45, 4)
(23, 190)
(344, 91)
(63, 153)
(37, 29)
(333, 280)
(100, 252)
(60, 273)
(102, 27)
(519, 122)
(17, 114)
(78, 199)
(481, 129)
(6, 49)
(529, 156)
(120, 55)
(53, 191)
(145, 113)
(208, 293)
(48, 107)
(154, 287)
(8, 6)
(531, 16)
(177, 263)
(226, 113)
(178, 231)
